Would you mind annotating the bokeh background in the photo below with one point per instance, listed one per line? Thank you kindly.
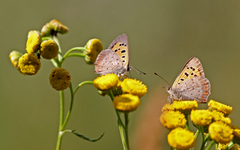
(162, 34)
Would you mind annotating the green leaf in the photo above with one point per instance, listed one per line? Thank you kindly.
(86, 138)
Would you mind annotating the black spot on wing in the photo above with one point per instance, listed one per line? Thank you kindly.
(123, 51)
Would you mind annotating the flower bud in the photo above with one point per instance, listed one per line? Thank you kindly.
(29, 64)
(33, 41)
(59, 79)
(49, 49)
(94, 47)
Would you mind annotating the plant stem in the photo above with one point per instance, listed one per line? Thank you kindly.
(210, 145)
(121, 127)
(67, 54)
(187, 124)
(59, 139)
(126, 129)
(197, 133)
(70, 108)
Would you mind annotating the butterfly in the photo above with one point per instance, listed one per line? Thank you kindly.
(115, 59)
(191, 83)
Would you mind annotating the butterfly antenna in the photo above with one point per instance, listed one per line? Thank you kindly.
(138, 71)
(161, 78)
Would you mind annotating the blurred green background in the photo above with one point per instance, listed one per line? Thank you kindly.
(162, 34)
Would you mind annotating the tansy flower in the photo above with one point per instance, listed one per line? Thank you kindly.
(201, 117)
(133, 86)
(235, 147)
(126, 102)
(29, 64)
(94, 47)
(54, 27)
(49, 49)
(224, 146)
(236, 133)
(59, 79)
(173, 119)
(227, 110)
(167, 107)
(106, 82)
(220, 132)
(33, 41)
(219, 116)
(181, 139)
(14, 57)
(185, 106)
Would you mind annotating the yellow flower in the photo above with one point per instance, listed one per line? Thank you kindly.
(94, 47)
(185, 106)
(14, 58)
(59, 79)
(173, 119)
(181, 139)
(126, 102)
(219, 116)
(49, 49)
(29, 64)
(220, 132)
(168, 107)
(33, 41)
(133, 86)
(236, 133)
(201, 117)
(235, 147)
(227, 110)
(224, 146)
(106, 82)
(54, 27)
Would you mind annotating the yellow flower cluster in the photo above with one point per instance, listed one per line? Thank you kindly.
(214, 119)
(126, 93)
(173, 118)
(37, 45)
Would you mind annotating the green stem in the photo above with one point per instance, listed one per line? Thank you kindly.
(70, 108)
(121, 127)
(72, 100)
(230, 145)
(126, 129)
(117, 112)
(81, 84)
(197, 133)
(67, 54)
(76, 55)
(59, 47)
(210, 145)
(59, 139)
(187, 124)
(204, 140)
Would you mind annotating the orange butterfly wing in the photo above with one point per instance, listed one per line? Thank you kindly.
(192, 68)
(120, 47)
